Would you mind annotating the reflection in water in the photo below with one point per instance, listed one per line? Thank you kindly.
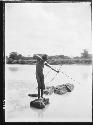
(13, 68)
(39, 112)
(85, 75)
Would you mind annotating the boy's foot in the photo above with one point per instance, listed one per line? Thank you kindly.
(38, 97)
(41, 98)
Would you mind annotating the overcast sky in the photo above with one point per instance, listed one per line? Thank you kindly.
(51, 28)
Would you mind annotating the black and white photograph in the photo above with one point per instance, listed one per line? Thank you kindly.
(48, 61)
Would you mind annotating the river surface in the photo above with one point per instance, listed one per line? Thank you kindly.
(76, 106)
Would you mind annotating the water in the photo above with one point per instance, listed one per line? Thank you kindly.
(75, 106)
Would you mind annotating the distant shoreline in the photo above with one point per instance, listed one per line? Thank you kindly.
(84, 59)
(53, 61)
(51, 64)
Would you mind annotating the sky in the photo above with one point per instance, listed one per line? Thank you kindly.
(48, 28)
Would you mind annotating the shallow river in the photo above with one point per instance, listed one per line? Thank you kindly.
(76, 106)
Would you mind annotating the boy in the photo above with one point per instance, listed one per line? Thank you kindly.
(41, 61)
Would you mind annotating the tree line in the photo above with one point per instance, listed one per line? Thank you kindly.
(16, 58)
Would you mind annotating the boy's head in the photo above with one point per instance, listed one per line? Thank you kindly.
(44, 57)
(36, 56)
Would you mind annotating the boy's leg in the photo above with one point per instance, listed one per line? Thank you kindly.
(43, 86)
(42, 93)
(38, 92)
(38, 81)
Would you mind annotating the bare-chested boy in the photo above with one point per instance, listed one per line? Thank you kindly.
(41, 61)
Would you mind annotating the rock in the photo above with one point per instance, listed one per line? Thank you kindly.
(70, 86)
(62, 89)
(49, 90)
(46, 101)
(39, 103)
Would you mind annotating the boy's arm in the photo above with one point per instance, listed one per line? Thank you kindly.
(50, 67)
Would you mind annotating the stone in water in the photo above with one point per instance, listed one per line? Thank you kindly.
(62, 89)
(39, 103)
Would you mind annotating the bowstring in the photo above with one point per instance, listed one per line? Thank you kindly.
(69, 77)
(47, 74)
(54, 76)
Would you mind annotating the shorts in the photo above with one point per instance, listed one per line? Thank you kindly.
(40, 81)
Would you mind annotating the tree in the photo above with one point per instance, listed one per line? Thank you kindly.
(85, 54)
(15, 56)
(19, 56)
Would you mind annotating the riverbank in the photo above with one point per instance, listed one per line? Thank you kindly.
(85, 58)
